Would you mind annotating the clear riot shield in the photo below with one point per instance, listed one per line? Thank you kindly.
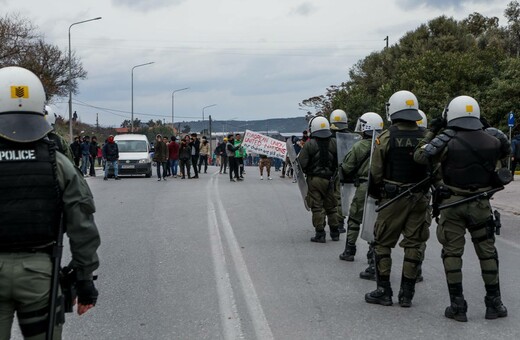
(369, 210)
(298, 173)
(344, 142)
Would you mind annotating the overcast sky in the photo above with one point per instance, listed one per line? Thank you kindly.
(255, 59)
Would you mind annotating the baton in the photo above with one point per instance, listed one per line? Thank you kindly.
(406, 192)
(485, 194)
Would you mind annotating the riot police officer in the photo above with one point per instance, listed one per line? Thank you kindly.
(468, 156)
(40, 189)
(338, 123)
(318, 159)
(355, 169)
(59, 141)
(393, 171)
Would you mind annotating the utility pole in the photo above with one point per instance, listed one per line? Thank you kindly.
(386, 39)
(210, 154)
(97, 122)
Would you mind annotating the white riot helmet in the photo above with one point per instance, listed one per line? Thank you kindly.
(403, 105)
(423, 122)
(319, 127)
(338, 120)
(22, 99)
(50, 116)
(368, 122)
(464, 112)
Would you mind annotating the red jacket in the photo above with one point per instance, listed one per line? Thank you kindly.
(173, 151)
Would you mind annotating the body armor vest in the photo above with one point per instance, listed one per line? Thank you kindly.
(30, 203)
(400, 166)
(320, 168)
(471, 160)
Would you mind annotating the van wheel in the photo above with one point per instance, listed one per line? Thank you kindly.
(148, 175)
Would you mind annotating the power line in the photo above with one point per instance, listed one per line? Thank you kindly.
(111, 111)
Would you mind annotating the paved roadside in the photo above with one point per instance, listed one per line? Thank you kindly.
(508, 200)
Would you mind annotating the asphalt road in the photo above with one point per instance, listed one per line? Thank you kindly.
(211, 259)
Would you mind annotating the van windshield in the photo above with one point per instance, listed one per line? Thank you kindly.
(132, 146)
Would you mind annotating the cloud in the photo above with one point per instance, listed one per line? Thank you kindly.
(145, 4)
(439, 4)
(305, 9)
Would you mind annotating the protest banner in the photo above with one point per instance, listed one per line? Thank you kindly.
(263, 145)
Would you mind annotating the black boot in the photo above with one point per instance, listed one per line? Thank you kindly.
(341, 228)
(494, 306)
(406, 292)
(457, 310)
(334, 234)
(349, 253)
(458, 307)
(320, 237)
(369, 273)
(382, 295)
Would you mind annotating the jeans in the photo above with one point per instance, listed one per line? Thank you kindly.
(159, 165)
(223, 163)
(85, 161)
(174, 166)
(194, 159)
(203, 159)
(185, 168)
(233, 167)
(114, 164)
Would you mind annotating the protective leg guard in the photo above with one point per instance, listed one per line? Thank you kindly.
(420, 277)
(370, 253)
(319, 237)
(494, 306)
(382, 295)
(406, 292)
(349, 253)
(458, 308)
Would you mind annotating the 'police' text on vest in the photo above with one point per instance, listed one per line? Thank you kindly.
(17, 155)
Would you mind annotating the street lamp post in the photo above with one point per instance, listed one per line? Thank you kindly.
(132, 122)
(205, 107)
(70, 76)
(173, 125)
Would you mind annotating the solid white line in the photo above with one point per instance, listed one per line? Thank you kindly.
(260, 324)
(229, 317)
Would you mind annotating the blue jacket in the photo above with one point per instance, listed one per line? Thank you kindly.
(85, 148)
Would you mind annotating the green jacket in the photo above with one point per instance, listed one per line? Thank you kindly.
(309, 158)
(241, 152)
(358, 158)
(161, 152)
(78, 205)
(62, 145)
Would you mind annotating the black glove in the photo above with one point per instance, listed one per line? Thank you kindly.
(437, 125)
(87, 292)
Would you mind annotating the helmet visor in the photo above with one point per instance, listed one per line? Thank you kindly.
(468, 123)
(23, 127)
(408, 114)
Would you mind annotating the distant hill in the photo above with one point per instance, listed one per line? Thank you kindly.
(283, 125)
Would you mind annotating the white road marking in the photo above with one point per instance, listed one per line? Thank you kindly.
(229, 317)
(260, 324)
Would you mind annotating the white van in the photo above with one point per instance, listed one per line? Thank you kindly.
(134, 155)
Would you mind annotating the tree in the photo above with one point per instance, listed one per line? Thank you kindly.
(22, 45)
(186, 129)
(437, 61)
